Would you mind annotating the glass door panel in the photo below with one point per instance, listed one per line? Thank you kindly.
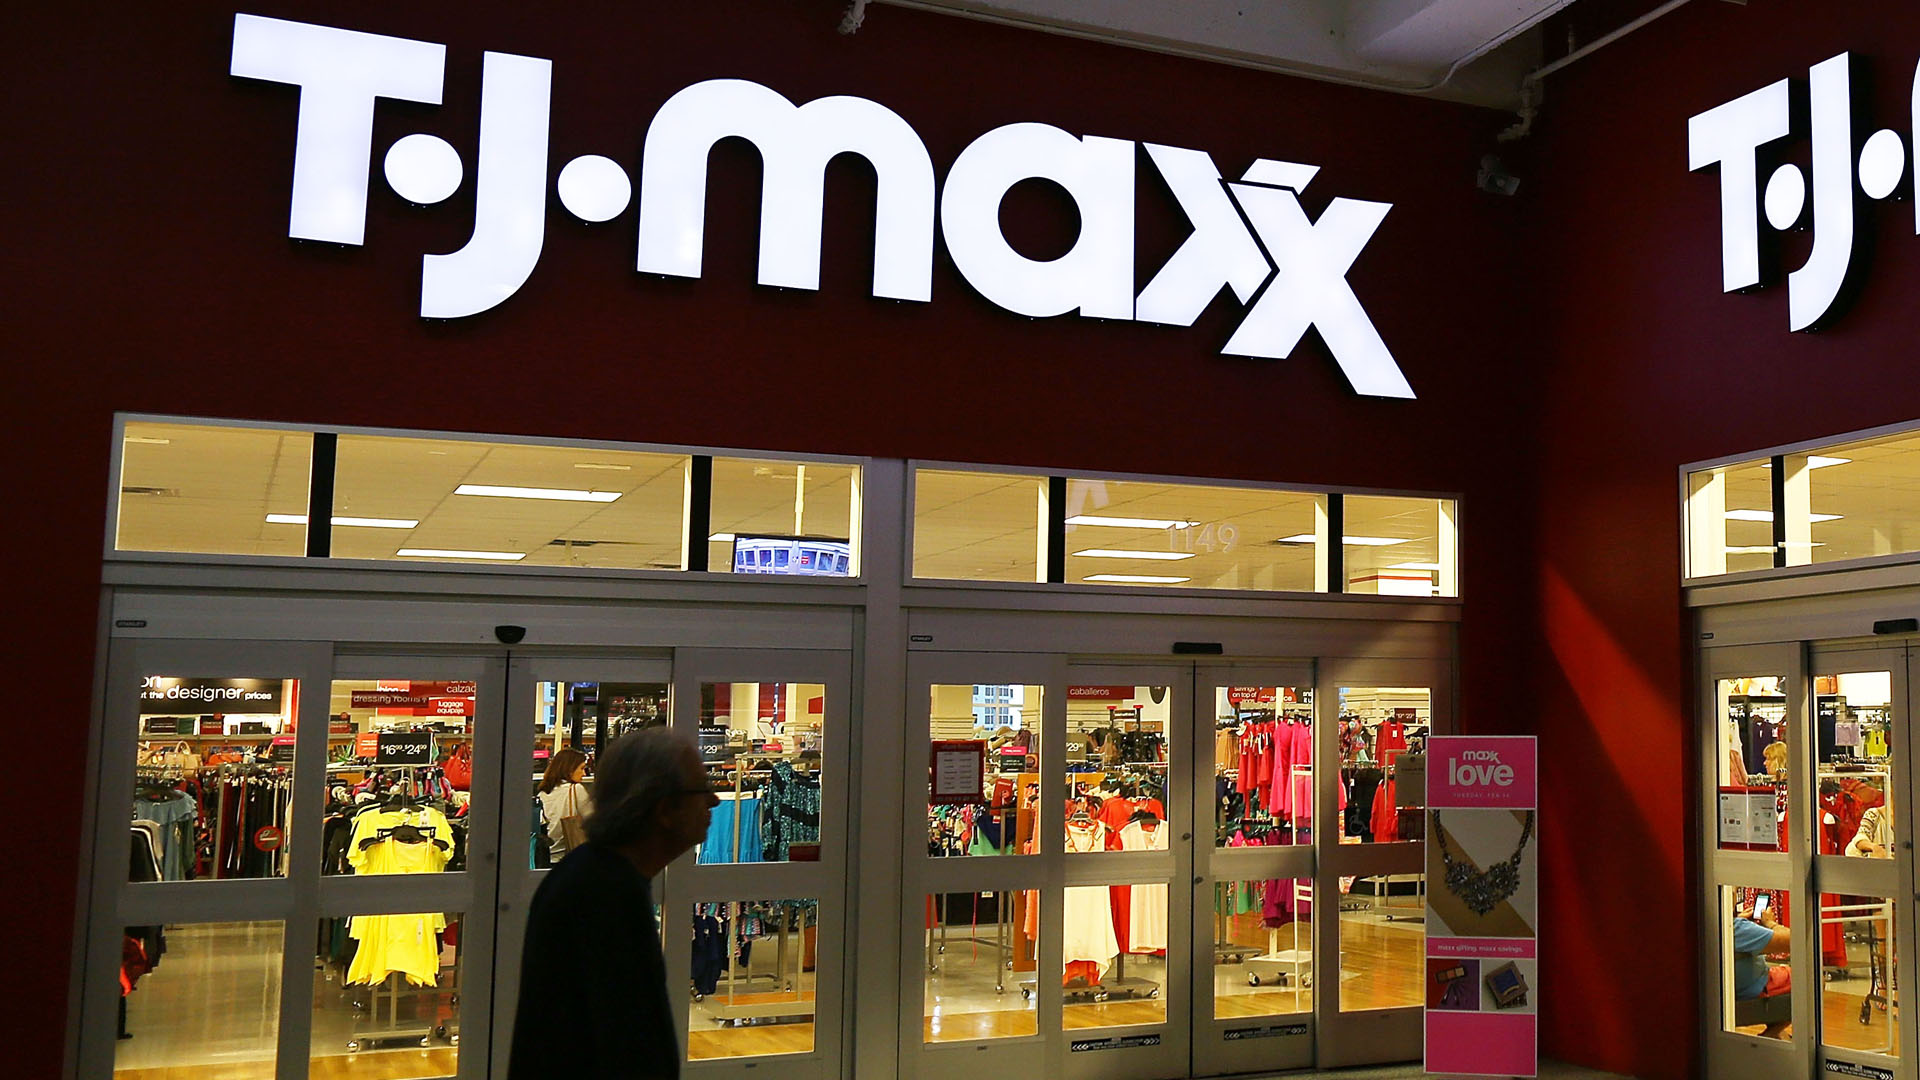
(186, 973)
(976, 924)
(1379, 724)
(1124, 900)
(1254, 751)
(1862, 855)
(972, 946)
(212, 745)
(1371, 930)
(402, 937)
(1117, 766)
(561, 713)
(1383, 938)
(1755, 799)
(754, 917)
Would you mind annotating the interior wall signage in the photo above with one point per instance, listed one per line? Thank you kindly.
(1483, 902)
(1252, 235)
(160, 693)
(1742, 137)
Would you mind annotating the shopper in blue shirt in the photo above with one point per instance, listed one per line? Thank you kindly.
(1754, 939)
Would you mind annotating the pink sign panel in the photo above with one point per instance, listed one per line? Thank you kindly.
(1481, 772)
(1480, 1044)
(1483, 898)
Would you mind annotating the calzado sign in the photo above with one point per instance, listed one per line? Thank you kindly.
(1252, 236)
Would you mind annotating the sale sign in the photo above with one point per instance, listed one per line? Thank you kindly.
(1483, 900)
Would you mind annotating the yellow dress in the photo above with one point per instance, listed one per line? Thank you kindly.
(408, 944)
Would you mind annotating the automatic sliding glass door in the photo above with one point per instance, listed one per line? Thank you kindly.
(1254, 783)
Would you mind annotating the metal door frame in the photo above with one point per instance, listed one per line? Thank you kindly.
(1371, 1036)
(688, 883)
(1264, 1043)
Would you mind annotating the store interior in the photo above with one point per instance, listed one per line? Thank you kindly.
(1853, 766)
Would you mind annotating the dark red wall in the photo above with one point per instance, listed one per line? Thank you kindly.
(152, 272)
(1647, 366)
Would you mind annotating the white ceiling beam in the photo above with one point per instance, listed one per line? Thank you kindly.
(1430, 33)
(1309, 38)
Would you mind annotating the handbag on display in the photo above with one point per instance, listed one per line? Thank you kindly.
(459, 767)
(178, 756)
(573, 827)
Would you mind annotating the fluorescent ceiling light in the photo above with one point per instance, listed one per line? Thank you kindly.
(721, 538)
(1767, 515)
(1137, 579)
(1434, 566)
(146, 441)
(1763, 550)
(1106, 553)
(1129, 523)
(359, 522)
(1815, 461)
(440, 553)
(1355, 541)
(562, 494)
(599, 465)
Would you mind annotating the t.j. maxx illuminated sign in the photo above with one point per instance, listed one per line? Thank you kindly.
(1252, 236)
(1739, 136)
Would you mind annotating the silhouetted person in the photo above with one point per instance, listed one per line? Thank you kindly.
(593, 980)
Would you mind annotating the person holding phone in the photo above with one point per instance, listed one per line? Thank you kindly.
(1758, 934)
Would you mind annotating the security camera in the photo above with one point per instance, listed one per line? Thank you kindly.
(1494, 178)
(510, 635)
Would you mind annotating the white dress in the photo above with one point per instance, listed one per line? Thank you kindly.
(1147, 917)
(1088, 909)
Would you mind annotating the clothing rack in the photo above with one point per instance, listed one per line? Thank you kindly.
(730, 1010)
(1002, 944)
(1875, 914)
(1292, 966)
(421, 1025)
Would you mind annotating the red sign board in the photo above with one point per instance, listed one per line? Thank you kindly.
(366, 744)
(1249, 695)
(1099, 693)
(419, 699)
(959, 769)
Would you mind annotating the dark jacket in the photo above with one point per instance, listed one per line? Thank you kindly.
(593, 981)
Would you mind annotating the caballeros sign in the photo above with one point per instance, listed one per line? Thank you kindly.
(1251, 236)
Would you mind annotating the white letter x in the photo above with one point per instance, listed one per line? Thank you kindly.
(1311, 287)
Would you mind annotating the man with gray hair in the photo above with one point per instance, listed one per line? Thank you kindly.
(593, 979)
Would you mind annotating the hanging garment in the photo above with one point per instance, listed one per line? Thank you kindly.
(176, 815)
(1147, 904)
(720, 845)
(1088, 931)
(1390, 743)
(1386, 817)
(371, 853)
(789, 812)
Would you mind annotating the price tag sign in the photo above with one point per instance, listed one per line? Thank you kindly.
(282, 750)
(404, 748)
(959, 772)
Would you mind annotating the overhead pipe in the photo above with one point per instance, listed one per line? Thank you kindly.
(1530, 91)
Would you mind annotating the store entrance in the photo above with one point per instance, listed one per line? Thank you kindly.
(1172, 928)
(1812, 856)
(334, 847)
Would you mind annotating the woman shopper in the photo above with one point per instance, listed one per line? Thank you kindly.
(563, 796)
